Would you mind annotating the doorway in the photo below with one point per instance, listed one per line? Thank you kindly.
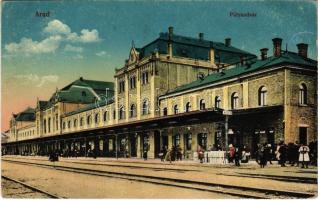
(157, 143)
(202, 140)
(133, 145)
(303, 135)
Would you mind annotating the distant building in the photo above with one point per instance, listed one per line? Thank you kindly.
(180, 91)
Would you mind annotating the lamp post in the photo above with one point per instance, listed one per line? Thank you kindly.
(227, 114)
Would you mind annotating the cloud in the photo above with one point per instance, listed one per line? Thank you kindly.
(39, 81)
(48, 78)
(85, 37)
(73, 48)
(57, 32)
(57, 27)
(28, 46)
(101, 54)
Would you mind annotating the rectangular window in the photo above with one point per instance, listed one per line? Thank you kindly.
(144, 77)
(110, 145)
(188, 137)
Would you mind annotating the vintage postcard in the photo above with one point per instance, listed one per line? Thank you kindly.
(159, 99)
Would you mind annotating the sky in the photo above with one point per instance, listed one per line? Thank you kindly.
(92, 38)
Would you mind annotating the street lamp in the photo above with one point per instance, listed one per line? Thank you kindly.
(227, 113)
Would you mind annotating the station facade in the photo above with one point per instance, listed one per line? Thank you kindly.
(177, 91)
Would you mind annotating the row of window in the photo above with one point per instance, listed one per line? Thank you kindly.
(88, 120)
(262, 100)
(133, 110)
(132, 81)
(27, 133)
(47, 127)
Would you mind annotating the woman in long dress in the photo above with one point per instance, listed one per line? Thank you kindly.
(304, 155)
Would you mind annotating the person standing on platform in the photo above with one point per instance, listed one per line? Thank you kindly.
(268, 153)
(231, 153)
(283, 153)
(200, 154)
(304, 155)
(237, 156)
(261, 156)
(168, 155)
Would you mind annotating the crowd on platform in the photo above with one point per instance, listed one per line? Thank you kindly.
(291, 153)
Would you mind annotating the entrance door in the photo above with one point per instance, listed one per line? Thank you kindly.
(202, 140)
(255, 142)
(133, 146)
(157, 143)
(176, 140)
(164, 139)
(303, 135)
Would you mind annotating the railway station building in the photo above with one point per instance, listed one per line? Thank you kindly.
(178, 91)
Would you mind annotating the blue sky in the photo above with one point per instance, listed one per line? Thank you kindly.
(91, 39)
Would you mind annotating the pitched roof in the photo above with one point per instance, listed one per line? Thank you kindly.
(90, 107)
(42, 104)
(194, 48)
(251, 66)
(81, 91)
(26, 115)
(98, 86)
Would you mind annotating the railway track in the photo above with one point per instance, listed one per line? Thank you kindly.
(239, 191)
(34, 190)
(109, 164)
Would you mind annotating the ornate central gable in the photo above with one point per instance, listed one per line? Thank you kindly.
(133, 56)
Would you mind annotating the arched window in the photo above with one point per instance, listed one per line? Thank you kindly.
(96, 118)
(165, 111)
(89, 119)
(56, 122)
(188, 107)
(234, 100)
(145, 107)
(63, 126)
(44, 124)
(132, 110)
(302, 94)
(75, 123)
(176, 109)
(105, 116)
(202, 104)
(81, 121)
(49, 124)
(217, 102)
(114, 114)
(69, 124)
(144, 77)
(121, 112)
(262, 96)
(132, 82)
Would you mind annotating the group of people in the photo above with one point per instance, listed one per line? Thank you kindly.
(296, 153)
(292, 153)
(237, 155)
(172, 154)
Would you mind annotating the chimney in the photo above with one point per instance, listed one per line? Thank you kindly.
(277, 46)
(201, 36)
(211, 55)
(243, 60)
(263, 53)
(170, 31)
(227, 42)
(302, 49)
(169, 46)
